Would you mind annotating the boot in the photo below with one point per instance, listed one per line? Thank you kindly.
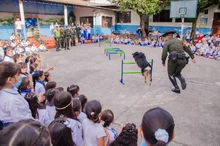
(182, 80)
(176, 88)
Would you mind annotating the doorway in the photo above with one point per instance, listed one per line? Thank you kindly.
(216, 24)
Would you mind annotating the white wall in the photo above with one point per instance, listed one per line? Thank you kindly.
(100, 1)
(82, 12)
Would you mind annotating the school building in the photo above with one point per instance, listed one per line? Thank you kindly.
(103, 18)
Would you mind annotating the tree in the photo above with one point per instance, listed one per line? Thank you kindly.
(202, 5)
(142, 8)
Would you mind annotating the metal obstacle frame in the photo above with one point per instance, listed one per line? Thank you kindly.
(133, 72)
(109, 51)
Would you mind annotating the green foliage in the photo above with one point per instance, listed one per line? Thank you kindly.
(142, 7)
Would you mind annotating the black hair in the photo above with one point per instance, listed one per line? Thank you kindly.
(46, 74)
(51, 93)
(107, 117)
(32, 100)
(154, 119)
(76, 105)
(22, 64)
(27, 59)
(36, 75)
(33, 67)
(83, 100)
(60, 134)
(73, 89)
(93, 109)
(63, 104)
(25, 133)
(127, 137)
(25, 82)
(50, 85)
(60, 89)
(32, 60)
(8, 69)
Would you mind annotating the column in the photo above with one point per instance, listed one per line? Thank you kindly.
(21, 9)
(65, 15)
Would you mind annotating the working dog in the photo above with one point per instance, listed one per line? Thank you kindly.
(145, 66)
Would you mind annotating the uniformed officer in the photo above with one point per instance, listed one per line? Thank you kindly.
(73, 35)
(67, 35)
(61, 36)
(177, 59)
(57, 38)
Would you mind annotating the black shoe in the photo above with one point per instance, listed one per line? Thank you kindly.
(182, 80)
(68, 48)
(176, 88)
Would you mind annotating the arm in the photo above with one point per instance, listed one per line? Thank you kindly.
(47, 70)
(187, 49)
(164, 53)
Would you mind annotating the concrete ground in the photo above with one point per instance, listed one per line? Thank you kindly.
(195, 110)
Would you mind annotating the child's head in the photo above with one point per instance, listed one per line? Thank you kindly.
(17, 58)
(9, 51)
(33, 67)
(32, 100)
(47, 76)
(127, 137)
(9, 73)
(93, 110)
(23, 67)
(27, 59)
(60, 133)
(25, 133)
(73, 90)
(157, 127)
(37, 76)
(83, 101)
(63, 104)
(25, 84)
(77, 108)
(50, 95)
(107, 117)
(50, 85)
(60, 89)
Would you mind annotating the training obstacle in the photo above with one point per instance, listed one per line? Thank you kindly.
(110, 51)
(133, 72)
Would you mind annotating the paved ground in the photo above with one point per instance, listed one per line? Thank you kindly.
(195, 110)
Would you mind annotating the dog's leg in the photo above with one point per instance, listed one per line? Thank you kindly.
(149, 78)
(145, 77)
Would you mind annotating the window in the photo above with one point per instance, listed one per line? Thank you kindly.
(123, 17)
(163, 16)
(185, 20)
(106, 22)
(86, 20)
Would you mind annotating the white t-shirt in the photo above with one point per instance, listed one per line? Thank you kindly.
(39, 88)
(51, 111)
(12, 37)
(44, 117)
(91, 132)
(18, 25)
(81, 117)
(8, 58)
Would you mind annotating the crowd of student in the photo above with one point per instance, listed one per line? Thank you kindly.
(15, 48)
(35, 111)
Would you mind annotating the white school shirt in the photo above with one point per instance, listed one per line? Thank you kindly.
(91, 132)
(2, 53)
(51, 27)
(44, 117)
(76, 128)
(27, 49)
(12, 37)
(111, 135)
(51, 111)
(9, 58)
(82, 116)
(18, 25)
(39, 88)
(13, 107)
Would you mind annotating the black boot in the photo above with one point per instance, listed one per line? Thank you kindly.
(182, 80)
(176, 88)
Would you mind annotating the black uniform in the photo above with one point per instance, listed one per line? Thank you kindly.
(177, 61)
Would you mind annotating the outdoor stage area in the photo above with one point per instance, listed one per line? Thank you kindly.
(195, 110)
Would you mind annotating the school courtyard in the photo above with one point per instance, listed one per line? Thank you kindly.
(195, 110)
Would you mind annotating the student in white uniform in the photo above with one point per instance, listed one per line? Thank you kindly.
(38, 79)
(13, 106)
(37, 110)
(9, 54)
(93, 132)
(60, 133)
(77, 110)
(25, 87)
(107, 118)
(73, 90)
(50, 94)
(63, 105)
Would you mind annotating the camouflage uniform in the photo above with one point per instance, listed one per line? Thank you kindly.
(67, 35)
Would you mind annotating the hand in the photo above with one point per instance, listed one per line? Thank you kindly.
(51, 68)
(194, 60)
(163, 65)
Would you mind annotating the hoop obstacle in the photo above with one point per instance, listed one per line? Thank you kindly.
(133, 72)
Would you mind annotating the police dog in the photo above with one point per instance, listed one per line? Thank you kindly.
(145, 66)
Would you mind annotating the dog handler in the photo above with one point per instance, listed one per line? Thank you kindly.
(177, 59)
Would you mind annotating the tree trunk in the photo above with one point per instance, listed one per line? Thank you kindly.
(142, 25)
(194, 23)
